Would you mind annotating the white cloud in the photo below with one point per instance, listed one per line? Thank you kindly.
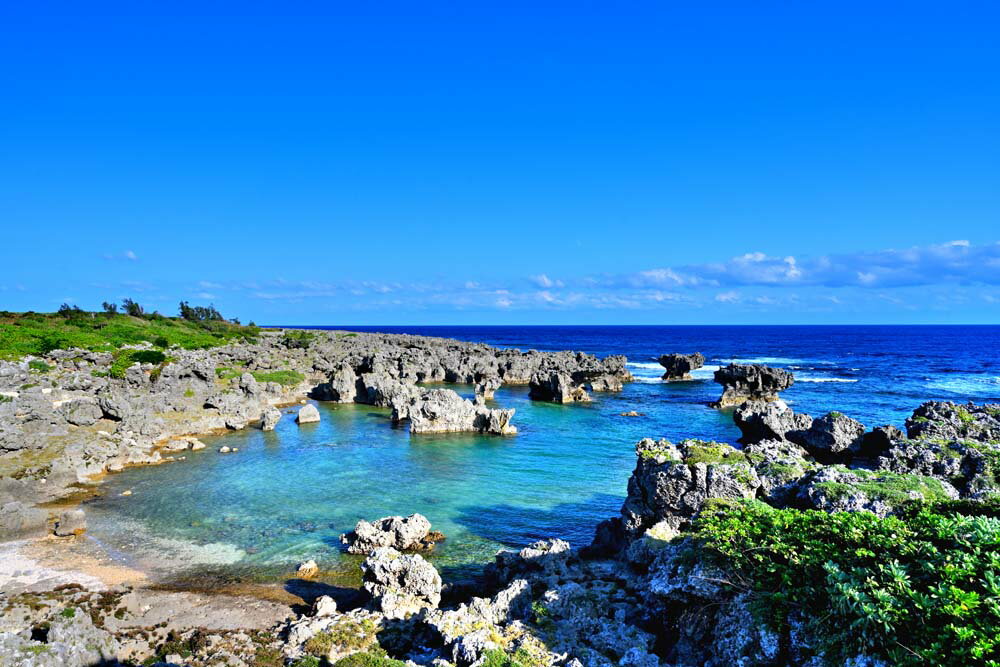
(727, 297)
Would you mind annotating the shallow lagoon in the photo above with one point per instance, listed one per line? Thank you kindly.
(287, 495)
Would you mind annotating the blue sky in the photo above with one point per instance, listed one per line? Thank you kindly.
(493, 163)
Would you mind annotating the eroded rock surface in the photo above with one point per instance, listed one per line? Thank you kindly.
(679, 366)
(750, 382)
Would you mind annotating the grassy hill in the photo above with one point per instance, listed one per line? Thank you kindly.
(23, 334)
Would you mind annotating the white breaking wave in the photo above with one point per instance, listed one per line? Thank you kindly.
(777, 360)
(802, 379)
(967, 384)
(644, 364)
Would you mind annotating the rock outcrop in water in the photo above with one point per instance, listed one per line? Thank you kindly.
(555, 387)
(750, 382)
(444, 411)
(412, 533)
(679, 366)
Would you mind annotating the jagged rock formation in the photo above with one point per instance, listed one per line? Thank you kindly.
(750, 382)
(679, 366)
(444, 411)
(400, 585)
(671, 483)
(557, 388)
(949, 421)
(760, 420)
(412, 533)
(487, 387)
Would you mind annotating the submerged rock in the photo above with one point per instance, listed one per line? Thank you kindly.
(679, 366)
(412, 533)
(750, 382)
(398, 584)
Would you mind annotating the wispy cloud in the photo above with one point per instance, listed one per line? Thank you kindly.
(952, 262)
(127, 255)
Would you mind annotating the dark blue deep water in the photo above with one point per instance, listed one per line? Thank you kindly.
(288, 494)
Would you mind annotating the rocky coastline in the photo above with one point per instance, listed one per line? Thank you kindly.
(656, 586)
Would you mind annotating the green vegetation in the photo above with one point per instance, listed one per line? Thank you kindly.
(964, 415)
(24, 334)
(39, 365)
(123, 360)
(286, 378)
(892, 488)
(520, 658)
(68, 612)
(876, 580)
(307, 661)
(345, 636)
(368, 660)
(298, 338)
(706, 451)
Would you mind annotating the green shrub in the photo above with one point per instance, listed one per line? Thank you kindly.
(298, 338)
(284, 378)
(40, 366)
(368, 660)
(876, 580)
(124, 359)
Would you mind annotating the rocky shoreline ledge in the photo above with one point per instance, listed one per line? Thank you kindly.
(817, 541)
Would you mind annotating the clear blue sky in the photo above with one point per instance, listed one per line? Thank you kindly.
(504, 162)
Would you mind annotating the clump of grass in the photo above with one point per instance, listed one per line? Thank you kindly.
(286, 378)
(892, 488)
(707, 451)
(39, 365)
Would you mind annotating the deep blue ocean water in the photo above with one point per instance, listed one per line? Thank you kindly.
(288, 494)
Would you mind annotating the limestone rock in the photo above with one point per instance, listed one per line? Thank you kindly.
(71, 522)
(19, 521)
(400, 584)
(950, 421)
(671, 483)
(556, 387)
(444, 411)
(81, 411)
(832, 437)
(401, 533)
(679, 366)
(270, 418)
(768, 420)
(308, 414)
(750, 382)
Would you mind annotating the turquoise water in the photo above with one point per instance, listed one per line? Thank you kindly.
(287, 495)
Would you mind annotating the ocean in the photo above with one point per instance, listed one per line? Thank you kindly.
(288, 494)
